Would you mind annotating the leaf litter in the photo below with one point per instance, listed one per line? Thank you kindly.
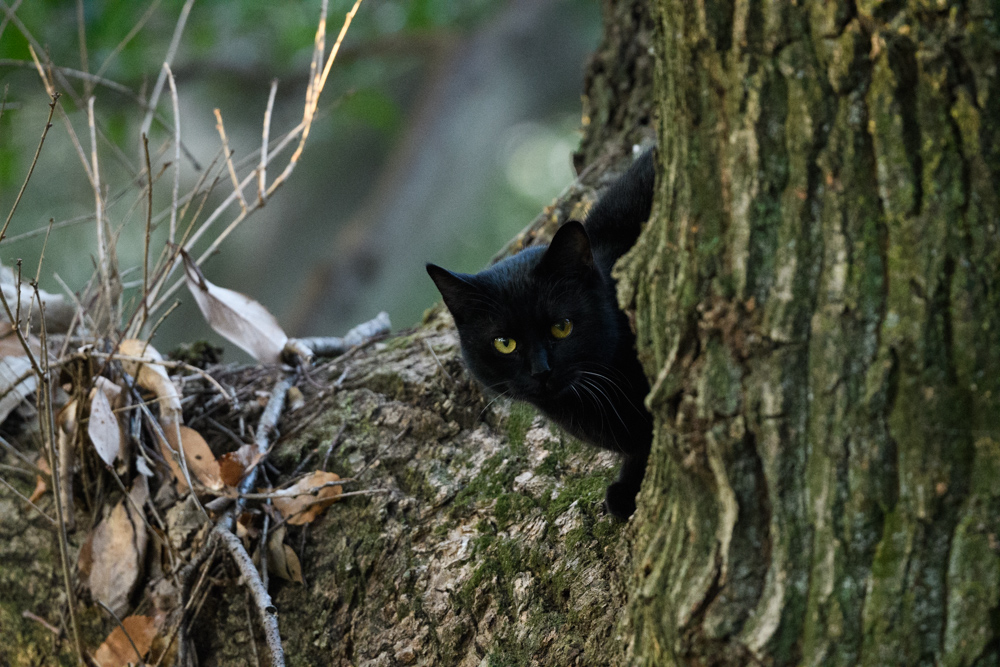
(161, 498)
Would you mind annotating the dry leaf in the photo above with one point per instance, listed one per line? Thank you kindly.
(117, 550)
(117, 650)
(281, 558)
(12, 369)
(152, 377)
(200, 459)
(40, 486)
(295, 399)
(302, 509)
(234, 466)
(103, 428)
(236, 317)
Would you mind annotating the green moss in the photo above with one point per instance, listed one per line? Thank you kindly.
(587, 492)
(510, 506)
(496, 477)
(400, 342)
(518, 423)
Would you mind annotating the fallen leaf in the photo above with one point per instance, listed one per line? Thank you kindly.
(117, 550)
(117, 650)
(301, 503)
(103, 428)
(236, 317)
(12, 369)
(200, 459)
(152, 377)
(295, 399)
(233, 466)
(40, 486)
(281, 558)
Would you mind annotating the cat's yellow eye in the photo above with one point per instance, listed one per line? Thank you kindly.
(504, 345)
(562, 328)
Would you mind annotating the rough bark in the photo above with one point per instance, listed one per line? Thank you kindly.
(818, 302)
(491, 547)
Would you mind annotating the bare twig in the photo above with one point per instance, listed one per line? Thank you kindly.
(177, 153)
(48, 427)
(28, 500)
(262, 169)
(175, 41)
(166, 363)
(102, 260)
(41, 621)
(332, 345)
(31, 169)
(253, 640)
(149, 227)
(229, 159)
(81, 31)
(268, 423)
(16, 452)
(268, 612)
(128, 38)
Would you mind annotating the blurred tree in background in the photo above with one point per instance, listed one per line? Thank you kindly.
(444, 128)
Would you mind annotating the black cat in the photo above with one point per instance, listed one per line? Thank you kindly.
(543, 326)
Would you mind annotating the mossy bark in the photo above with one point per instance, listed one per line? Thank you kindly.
(818, 305)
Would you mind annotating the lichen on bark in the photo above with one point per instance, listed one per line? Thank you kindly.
(821, 227)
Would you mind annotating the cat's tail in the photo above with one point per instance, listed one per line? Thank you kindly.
(614, 223)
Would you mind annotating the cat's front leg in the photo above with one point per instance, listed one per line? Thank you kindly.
(620, 497)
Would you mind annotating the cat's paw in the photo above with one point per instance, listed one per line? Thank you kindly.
(619, 500)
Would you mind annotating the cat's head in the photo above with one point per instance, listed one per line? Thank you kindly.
(532, 323)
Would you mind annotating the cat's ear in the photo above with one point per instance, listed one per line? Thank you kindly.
(569, 250)
(453, 287)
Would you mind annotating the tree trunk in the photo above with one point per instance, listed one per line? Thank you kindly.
(818, 304)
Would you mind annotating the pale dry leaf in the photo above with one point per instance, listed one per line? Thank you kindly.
(200, 459)
(117, 651)
(117, 550)
(110, 389)
(12, 369)
(236, 317)
(152, 377)
(103, 428)
(40, 486)
(304, 508)
(296, 399)
(233, 466)
(281, 558)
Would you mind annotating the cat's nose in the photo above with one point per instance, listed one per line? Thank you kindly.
(540, 365)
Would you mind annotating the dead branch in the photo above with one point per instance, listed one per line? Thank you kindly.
(31, 169)
(268, 612)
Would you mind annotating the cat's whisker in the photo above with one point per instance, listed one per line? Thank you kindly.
(610, 402)
(496, 398)
(617, 388)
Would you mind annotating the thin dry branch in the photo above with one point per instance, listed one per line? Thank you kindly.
(122, 626)
(268, 612)
(175, 41)
(128, 38)
(229, 159)
(102, 259)
(149, 227)
(29, 502)
(47, 424)
(31, 169)
(177, 156)
(262, 169)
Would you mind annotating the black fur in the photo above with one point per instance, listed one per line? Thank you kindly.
(589, 382)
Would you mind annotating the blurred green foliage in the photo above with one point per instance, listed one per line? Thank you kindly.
(267, 39)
